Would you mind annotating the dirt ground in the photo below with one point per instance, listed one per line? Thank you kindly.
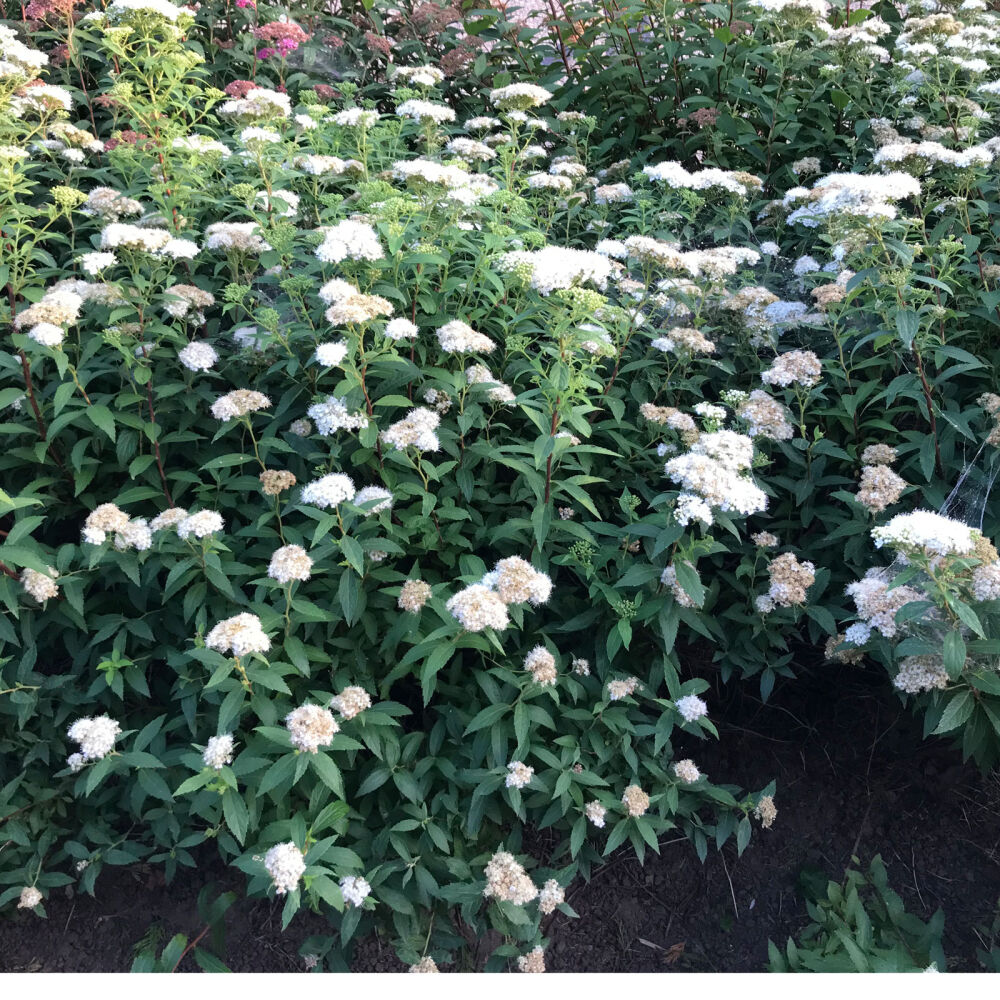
(854, 777)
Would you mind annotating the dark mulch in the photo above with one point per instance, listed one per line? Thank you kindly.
(854, 777)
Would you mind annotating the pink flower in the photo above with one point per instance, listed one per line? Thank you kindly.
(265, 53)
(246, 3)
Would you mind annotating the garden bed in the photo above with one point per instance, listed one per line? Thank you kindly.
(841, 791)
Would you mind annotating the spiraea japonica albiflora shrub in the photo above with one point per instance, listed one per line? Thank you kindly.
(320, 545)
(385, 478)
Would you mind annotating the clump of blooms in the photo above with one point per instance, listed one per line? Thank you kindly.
(414, 595)
(534, 961)
(418, 429)
(541, 664)
(286, 865)
(519, 97)
(580, 666)
(425, 111)
(516, 581)
(352, 701)
(878, 454)
(880, 487)
(686, 771)
(332, 415)
(794, 368)
(790, 579)
(239, 237)
(218, 751)
(921, 673)
(595, 812)
(477, 608)
(923, 530)
(401, 329)
(330, 491)
(350, 240)
(497, 392)
(198, 356)
(30, 898)
(635, 800)
(877, 604)
(425, 965)
(986, 582)
(671, 174)
(837, 650)
(551, 896)
(332, 354)
(242, 635)
(518, 774)
(354, 889)
(378, 496)
(714, 473)
(311, 727)
(289, 563)
(506, 880)
(239, 403)
(553, 268)
(101, 521)
(258, 104)
(669, 579)
(765, 417)
(691, 708)
(766, 811)
(457, 337)
(274, 482)
(619, 689)
(95, 737)
(200, 524)
(41, 586)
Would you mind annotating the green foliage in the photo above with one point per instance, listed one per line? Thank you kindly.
(641, 434)
(861, 925)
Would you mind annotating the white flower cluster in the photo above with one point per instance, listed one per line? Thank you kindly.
(418, 429)
(311, 727)
(332, 415)
(923, 529)
(218, 751)
(458, 337)
(671, 174)
(518, 774)
(484, 605)
(691, 708)
(553, 268)
(351, 702)
(350, 240)
(507, 880)
(329, 491)
(41, 586)
(426, 111)
(259, 104)
(95, 737)
(242, 635)
(290, 563)
(867, 196)
(714, 473)
(285, 864)
(354, 889)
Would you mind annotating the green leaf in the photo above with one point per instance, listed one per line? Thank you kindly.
(956, 712)
(102, 418)
(954, 654)
(488, 716)
(236, 813)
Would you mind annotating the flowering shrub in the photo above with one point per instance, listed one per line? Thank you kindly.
(380, 471)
